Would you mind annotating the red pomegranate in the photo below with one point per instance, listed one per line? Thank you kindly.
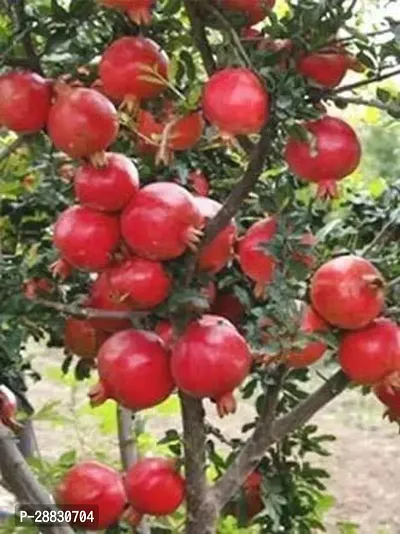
(245, 106)
(185, 132)
(372, 354)
(134, 369)
(154, 487)
(108, 188)
(199, 183)
(325, 69)
(311, 322)
(348, 292)
(220, 251)
(61, 269)
(228, 305)
(148, 133)
(82, 122)
(252, 490)
(86, 238)
(104, 297)
(211, 359)
(144, 283)
(37, 287)
(333, 153)
(25, 99)
(255, 262)
(8, 408)
(255, 10)
(391, 399)
(161, 222)
(90, 484)
(131, 68)
(138, 10)
(81, 338)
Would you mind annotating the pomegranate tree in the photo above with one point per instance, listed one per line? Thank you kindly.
(211, 359)
(331, 153)
(25, 99)
(348, 292)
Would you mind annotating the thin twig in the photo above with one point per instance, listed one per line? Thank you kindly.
(362, 83)
(88, 313)
(378, 237)
(217, 433)
(27, 41)
(200, 37)
(371, 103)
(393, 283)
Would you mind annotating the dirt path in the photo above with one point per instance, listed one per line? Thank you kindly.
(364, 465)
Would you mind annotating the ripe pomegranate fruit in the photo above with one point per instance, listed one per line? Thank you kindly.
(108, 188)
(348, 292)
(61, 269)
(333, 153)
(245, 106)
(134, 369)
(8, 408)
(81, 338)
(132, 69)
(154, 487)
(37, 287)
(228, 305)
(372, 354)
(199, 183)
(211, 359)
(86, 238)
(25, 99)
(82, 122)
(256, 263)
(144, 283)
(254, 10)
(314, 350)
(104, 297)
(161, 222)
(138, 10)
(93, 484)
(148, 132)
(325, 69)
(215, 256)
(391, 399)
(252, 494)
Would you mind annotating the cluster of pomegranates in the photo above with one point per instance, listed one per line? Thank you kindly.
(151, 486)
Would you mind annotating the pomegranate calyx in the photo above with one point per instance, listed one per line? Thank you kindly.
(226, 405)
(193, 237)
(141, 16)
(131, 516)
(99, 160)
(327, 189)
(374, 282)
(97, 395)
(260, 291)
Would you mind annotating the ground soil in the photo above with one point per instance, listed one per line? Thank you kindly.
(364, 465)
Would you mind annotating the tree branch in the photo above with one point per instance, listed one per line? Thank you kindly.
(126, 441)
(362, 83)
(20, 480)
(371, 103)
(87, 313)
(267, 434)
(200, 37)
(29, 47)
(201, 508)
(393, 283)
(384, 230)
